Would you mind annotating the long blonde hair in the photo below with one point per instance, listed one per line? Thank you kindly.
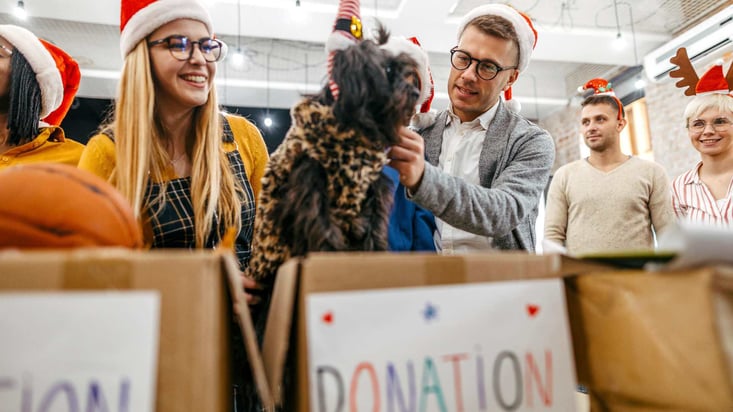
(141, 155)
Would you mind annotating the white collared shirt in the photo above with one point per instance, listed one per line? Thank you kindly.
(459, 156)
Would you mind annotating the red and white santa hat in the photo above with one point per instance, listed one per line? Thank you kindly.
(602, 87)
(411, 47)
(526, 34)
(347, 31)
(56, 72)
(139, 18)
(70, 78)
(713, 81)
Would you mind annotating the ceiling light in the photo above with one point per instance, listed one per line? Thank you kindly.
(619, 43)
(19, 10)
(268, 121)
(640, 83)
(237, 59)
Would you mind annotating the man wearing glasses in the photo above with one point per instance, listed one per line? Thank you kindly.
(487, 165)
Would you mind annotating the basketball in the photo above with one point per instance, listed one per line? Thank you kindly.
(49, 205)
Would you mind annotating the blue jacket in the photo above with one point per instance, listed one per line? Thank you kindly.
(411, 227)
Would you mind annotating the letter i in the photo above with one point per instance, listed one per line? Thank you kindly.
(480, 380)
(27, 401)
(124, 404)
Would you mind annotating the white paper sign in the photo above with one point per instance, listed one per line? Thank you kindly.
(69, 352)
(500, 346)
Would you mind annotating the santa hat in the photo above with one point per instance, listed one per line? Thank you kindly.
(602, 87)
(55, 70)
(411, 47)
(347, 31)
(139, 18)
(526, 34)
(713, 81)
(70, 78)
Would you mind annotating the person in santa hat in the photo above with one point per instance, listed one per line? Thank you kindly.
(487, 166)
(37, 86)
(191, 173)
(704, 194)
(411, 227)
(608, 201)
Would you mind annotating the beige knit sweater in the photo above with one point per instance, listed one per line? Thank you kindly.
(591, 211)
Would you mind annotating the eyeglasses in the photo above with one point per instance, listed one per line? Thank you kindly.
(719, 124)
(485, 69)
(5, 52)
(181, 47)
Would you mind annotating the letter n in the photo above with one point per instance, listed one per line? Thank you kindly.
(395, 390)
(533, 372)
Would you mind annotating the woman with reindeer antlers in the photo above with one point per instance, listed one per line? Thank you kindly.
(704, 194)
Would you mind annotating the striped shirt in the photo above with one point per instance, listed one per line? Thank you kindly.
(693, 202)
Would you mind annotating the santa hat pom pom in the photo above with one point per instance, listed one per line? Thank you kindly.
(423, 120)
(510, 102)
(338, 41)
(514, 105)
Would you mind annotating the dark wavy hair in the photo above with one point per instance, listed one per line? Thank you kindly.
(596, 99)
(24, 108)
(378, 91)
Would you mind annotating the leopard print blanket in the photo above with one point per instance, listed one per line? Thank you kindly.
(323, 189)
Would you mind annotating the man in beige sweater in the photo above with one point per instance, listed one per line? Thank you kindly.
(608, 201)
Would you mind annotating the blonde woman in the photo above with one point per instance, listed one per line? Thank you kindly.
(189, 172)
(704, 194)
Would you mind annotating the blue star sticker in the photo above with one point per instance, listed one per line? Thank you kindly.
(430, 312)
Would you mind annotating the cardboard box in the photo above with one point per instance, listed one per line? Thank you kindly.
(300, 278)
(195, 316)
(642, 341)
(654, 341)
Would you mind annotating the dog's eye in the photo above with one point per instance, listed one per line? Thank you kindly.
(413, 79)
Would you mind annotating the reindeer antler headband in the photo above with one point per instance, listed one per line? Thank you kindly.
(710, 82)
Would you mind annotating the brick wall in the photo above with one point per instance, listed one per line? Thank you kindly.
(670, 144)
(564, 126)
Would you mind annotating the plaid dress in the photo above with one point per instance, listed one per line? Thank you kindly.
(173, 224)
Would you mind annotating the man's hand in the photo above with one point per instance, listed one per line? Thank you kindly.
(252, 290)
(408, 158)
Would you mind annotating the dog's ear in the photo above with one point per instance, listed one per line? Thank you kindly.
(381, 34)
(360, 73)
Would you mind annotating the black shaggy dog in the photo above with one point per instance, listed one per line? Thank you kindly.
(323, 189)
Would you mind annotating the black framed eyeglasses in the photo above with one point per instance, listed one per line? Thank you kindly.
(485, 69)
(181, 47)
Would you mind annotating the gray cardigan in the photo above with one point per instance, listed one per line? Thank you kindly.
(514, 167)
